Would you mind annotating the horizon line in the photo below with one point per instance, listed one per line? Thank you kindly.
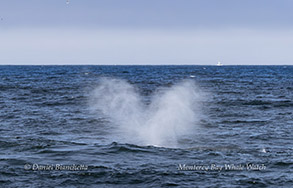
(146, 65)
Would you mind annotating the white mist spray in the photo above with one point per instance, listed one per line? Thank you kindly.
(172, 113)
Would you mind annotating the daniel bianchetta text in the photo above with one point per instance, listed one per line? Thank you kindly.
(217, 167)
(56, 167)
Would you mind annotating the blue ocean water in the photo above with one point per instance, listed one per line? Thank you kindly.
(146, 126)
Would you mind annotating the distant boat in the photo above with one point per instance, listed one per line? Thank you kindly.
(219, 63)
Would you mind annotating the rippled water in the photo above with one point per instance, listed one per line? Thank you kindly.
(50, 116)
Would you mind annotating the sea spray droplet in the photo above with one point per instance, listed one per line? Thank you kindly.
(172, 113)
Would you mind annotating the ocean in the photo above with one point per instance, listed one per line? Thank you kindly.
(146, 126)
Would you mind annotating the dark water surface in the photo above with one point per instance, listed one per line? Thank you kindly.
(46, 120)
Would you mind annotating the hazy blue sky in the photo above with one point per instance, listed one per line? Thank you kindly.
(146, 32)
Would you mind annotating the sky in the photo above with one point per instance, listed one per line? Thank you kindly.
(148, 32)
